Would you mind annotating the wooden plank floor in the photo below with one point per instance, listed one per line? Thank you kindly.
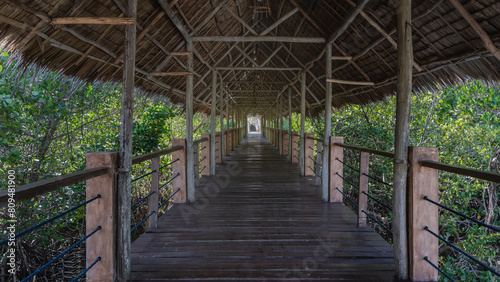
(258, 220)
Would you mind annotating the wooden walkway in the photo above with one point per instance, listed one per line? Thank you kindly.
(258, 220)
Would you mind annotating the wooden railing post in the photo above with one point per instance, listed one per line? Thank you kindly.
(226, 142)
(102, 212)
(295, 147)
(309, 155)
(153, 199)
(336, 152)
(205, 155)
(319, 162)
(364, 160)
(235, 138)
(229, 141)
(218, 151)
(196, 164)
(422, 181)
(285, 142)
(179, 167)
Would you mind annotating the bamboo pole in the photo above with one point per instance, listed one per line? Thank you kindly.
(123, 253)
(93, 20)
(349, 82)
(221, 119)
(325, 188)
(290, 124)
(401, 140)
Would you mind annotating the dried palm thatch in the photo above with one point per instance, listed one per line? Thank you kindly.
(453, 40)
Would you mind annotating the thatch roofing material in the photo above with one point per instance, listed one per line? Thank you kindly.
(446, 46)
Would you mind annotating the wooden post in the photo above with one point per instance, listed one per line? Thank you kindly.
(179, 167)
(290, 123)
(196, 165)
(212, 124)
(364, 160)
(230, 139)
(401, 140)
(153, 199)
(205, 152)
(336, 181)
(102, 212)
(328, 125)
(295, 147)
(309, 154)
(281, 125)
(125, 152)
(423, 181)
(226, 143)
(286, 141)
(190, 160)
(221, 117)
(218, 148)
(319, 162)
(302, 125)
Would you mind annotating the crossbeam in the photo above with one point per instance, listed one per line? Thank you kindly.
(258, 68)
(289, 39)
(93, 20)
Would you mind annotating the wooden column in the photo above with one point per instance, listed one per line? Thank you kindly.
(295, 147)
(213, 112)
(302, 125)
(228, 143)
(125, 152)
(309, 154)
(319, 162)
(328, 124)
(196, 165)
(190, 161)
(230, 140)
(281, 125)
(153, 199)
(205, 155)
(290, 123)
(364, 160)
(423, 181)
(221, 117)
(218, 148)
(335, 166)
(179, 167)
(401, 140)
(102, 212)
(286, 142)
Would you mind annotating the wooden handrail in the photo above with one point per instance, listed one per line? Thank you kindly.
(142, 158)
(484, 175)
(33, 189)
(200, 141)
(371, 151)
(315, 139)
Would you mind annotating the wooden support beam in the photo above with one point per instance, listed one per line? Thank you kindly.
(180, 73)
(247, 26)
(213, 113)
(488, 44)
(191, 196)
(123, 252)
(347, 22)
(363, 83)
(93, 20)
(179, 168)
(290, 145)
(402, 139)
(278, 22)
(259, 39)
(341, 58)
(180, 53)
(328, 125)
(302, 124)
(175, 20)
(364, 164)
(258, 69)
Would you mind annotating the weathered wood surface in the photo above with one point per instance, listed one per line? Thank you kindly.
(257, 220)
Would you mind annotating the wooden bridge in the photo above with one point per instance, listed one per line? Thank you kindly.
(257, 219)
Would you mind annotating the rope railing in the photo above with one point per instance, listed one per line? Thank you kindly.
(377, 179)
(60, 255)
(86, 270)
(439, 269)
(351, 167)
(26, 231)
(170, 197)
(491, 227)
(456, 248)
(170, 180)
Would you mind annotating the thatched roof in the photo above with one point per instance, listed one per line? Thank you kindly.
(448, 47)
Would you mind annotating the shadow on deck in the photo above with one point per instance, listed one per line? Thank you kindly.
(257, 219)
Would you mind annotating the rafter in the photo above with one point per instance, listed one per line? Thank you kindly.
(279, 21)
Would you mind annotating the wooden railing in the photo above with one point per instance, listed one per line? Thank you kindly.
(423, 195)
